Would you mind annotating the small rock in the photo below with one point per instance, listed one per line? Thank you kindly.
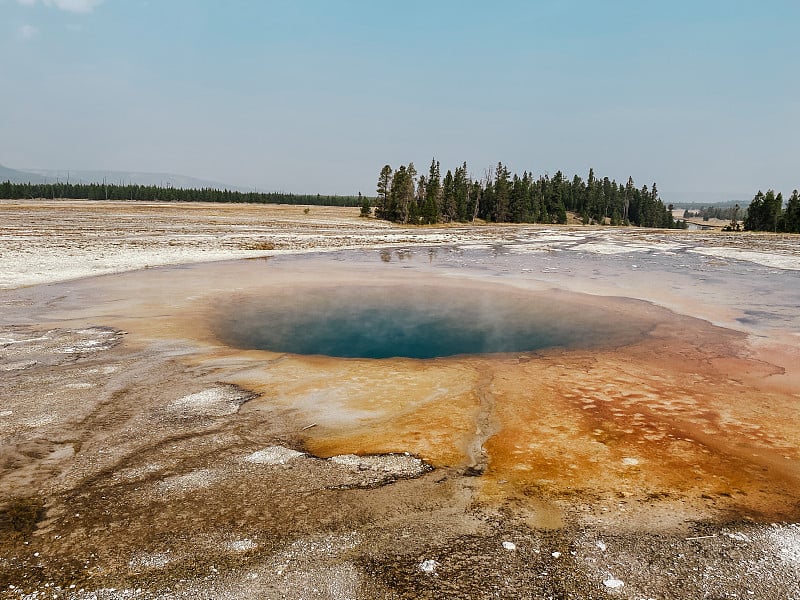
(244, 545)
(739, 537)
(556, 554)
(613, 583)
(510, 546)
(273, 455)
(428, 566)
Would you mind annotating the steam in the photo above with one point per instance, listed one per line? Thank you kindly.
(420, 321)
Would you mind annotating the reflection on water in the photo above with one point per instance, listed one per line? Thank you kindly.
(421, 321)
(733, 293)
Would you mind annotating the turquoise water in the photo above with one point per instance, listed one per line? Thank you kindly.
(421, 322)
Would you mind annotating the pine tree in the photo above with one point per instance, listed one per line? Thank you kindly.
(561, 213)
(518, 206)
(774, 206)
(431, 210)
(502, 189)
(578, 195)
(415, 209)
(449, 209)
(384, 185)
(626, 199)
(366, 209)
(792, 214)
(400, 194)
(474, 200)
(461, 190)
(755, 219)
(406, 194)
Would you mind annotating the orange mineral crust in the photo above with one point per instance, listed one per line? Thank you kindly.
(664, 410)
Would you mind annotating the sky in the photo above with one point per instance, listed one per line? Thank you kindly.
(702, 96)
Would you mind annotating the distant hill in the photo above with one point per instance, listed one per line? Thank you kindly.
(691, 199)
(743, 203)
(117, 177)
(130, 177)
(15, 176)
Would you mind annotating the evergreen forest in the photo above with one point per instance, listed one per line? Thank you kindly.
(132, 192)
(724, 213)
(767, 213)
(503, 197)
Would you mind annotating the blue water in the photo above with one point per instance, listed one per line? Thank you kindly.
(423, 322)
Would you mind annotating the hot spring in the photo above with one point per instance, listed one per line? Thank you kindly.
(423, 321)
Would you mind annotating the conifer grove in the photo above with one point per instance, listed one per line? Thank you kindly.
(502, 197)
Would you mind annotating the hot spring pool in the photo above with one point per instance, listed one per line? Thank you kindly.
(421, 321)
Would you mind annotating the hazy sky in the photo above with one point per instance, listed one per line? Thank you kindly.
(315, 96)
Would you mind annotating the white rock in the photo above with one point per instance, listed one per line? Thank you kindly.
(241, 545)
(613, 583)
(556, 554)
(348, 460)
(510, 546)
(428, 566)
(273, 455)
(213, 402)
(602, 545)
(399, 465)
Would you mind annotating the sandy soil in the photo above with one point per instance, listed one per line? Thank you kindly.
(141, 457)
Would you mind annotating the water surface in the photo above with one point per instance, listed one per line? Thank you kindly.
(422, 321)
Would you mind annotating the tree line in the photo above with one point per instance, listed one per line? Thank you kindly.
(133, 192)
(724, 213)
(404, 196)
(767, 213)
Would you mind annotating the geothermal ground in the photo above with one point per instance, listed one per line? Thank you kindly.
(144, 455)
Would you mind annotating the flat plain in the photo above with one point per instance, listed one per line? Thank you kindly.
(142, 456)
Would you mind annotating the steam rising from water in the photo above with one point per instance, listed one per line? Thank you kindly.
(424, 321)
